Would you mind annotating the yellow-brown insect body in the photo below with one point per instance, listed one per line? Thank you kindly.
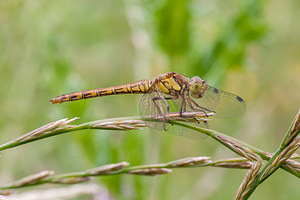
(138, 87)
(171, 83)
(170, 92)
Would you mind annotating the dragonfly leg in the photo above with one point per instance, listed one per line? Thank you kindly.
(191, 106)
(206, 124)
(189, 100)
(183, 105)
(155, 99)
(170, 98)
(168, 107)
(202, 109)
(161, 97)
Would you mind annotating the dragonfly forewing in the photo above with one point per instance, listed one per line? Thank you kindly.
(154, 105)
(224, 104)
(160, 106)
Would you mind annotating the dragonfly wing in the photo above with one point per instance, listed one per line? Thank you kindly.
(224, 104)
(155, 106)
(148, 108)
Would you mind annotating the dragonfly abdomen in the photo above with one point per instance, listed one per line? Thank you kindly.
(138, 87)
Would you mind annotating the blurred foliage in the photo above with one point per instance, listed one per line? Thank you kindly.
(230, 41)
(52, 47)
(173, 20)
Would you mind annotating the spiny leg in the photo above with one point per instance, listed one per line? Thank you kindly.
(161, 97)
(202, 109)
(191, 106)
(171, 98)
(182, 106)
(155, 99)
(155, 89)
(164, 99)
(190, 101)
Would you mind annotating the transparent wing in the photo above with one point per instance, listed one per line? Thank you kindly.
(147, 107)
(224, 104)
(153, 104)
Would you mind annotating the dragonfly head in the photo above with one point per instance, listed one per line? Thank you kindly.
(198, 87)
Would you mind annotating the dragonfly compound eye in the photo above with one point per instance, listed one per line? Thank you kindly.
(197, 87)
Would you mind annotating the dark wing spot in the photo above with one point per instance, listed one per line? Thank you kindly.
(239, 99)
(216, 90)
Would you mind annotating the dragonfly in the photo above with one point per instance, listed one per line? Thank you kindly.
(169, 93)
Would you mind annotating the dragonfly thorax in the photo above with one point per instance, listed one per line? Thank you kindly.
(198, 87)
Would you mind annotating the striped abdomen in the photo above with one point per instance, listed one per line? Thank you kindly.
(138, 87)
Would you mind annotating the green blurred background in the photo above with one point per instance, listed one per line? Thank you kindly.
(47, 48)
